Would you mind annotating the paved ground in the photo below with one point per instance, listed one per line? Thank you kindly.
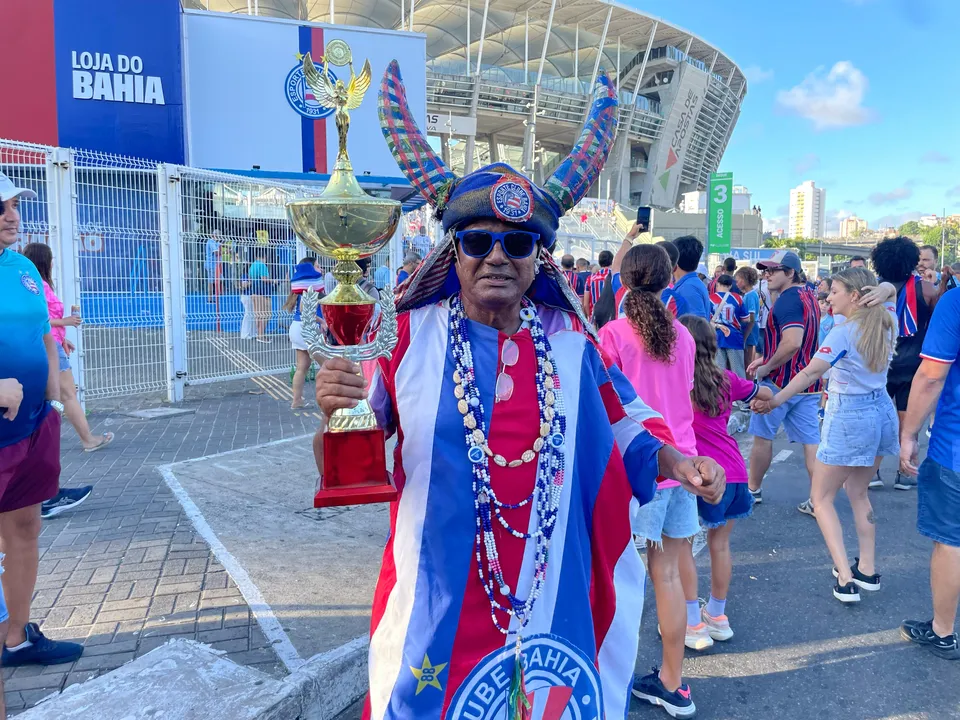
(127, 571)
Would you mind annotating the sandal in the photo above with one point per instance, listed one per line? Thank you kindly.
(107, 439)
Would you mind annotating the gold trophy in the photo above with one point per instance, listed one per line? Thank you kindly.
(347, 224)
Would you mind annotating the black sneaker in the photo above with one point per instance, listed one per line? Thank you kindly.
(921, 632)
(66, 499)
(41, 650)
(904, 482)
(848, 593)
(876, 483)
(757, 496)
(678, 704)
(870, 583)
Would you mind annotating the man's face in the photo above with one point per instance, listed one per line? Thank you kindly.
(497, 280)
(777, 279)
(927, 260)
(10, 223)
(857, 263)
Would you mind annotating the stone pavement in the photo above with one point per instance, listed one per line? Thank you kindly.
(126, 572)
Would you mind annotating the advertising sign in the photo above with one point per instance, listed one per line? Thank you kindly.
(719, 212)
(249, 107)
(439, 123)
(119, 87)
(666, 163)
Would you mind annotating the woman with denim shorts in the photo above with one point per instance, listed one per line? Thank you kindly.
(860, 426)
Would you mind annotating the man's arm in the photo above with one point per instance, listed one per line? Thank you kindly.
(927, 385)
(625, 247)
(789, 344)
(53, 368)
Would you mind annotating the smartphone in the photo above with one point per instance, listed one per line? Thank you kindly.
(643, 218)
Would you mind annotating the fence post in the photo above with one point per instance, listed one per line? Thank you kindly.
(65, 243)
(171, 262)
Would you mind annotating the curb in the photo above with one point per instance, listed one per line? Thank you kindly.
(187, 680)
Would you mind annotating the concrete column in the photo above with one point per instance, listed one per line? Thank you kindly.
(546, 40)
(471, 140)
(494, 148)
(530, 133)
(623, 164)
(445, 149)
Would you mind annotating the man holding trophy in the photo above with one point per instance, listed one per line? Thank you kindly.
(510, 586)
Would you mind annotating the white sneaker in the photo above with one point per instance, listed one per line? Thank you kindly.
(718, 627)
(698, 637)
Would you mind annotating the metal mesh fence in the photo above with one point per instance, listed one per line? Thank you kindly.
(116, 240)
(182, 275)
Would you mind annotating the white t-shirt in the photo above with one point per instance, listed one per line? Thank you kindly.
(849, 374)
(765, 304)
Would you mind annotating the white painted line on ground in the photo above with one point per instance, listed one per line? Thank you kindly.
(781, 456)
(226, 453)
(272, 629)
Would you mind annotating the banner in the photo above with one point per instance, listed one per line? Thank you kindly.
(249, 107)
(666, 162)
(719, 212)
(118, 69)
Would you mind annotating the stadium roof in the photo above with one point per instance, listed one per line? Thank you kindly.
(445, 24)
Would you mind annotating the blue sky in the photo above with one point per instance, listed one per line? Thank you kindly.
(860, 96)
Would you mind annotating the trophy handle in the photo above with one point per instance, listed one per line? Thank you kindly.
(381, 346)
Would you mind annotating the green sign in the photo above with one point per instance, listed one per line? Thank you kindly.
(719, 212)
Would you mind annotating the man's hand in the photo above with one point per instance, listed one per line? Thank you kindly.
(634, 232)
(722, 328)
(339, 385)
(909, 455)
(73, 321)
(11, 395)
(758, 369)
(68, 347)
(929, 276)
(871, 296)
(762, 407)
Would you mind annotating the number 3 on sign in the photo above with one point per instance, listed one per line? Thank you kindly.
(721, 196)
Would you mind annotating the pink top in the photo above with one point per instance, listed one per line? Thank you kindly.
(55, 308)
(665, 387)
(713, 441)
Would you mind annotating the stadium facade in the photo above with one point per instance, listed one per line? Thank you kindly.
(214, 84)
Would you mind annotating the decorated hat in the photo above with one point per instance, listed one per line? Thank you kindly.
(498, 192)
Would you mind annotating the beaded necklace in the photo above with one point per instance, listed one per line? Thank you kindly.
(548, 449)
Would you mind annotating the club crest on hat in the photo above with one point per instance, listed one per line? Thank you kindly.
(512, 200)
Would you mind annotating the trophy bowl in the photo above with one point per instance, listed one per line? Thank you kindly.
(344, 227)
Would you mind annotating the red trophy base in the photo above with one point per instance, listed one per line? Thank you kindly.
(354, 470)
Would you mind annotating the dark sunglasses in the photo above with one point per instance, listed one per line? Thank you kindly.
(517, 244)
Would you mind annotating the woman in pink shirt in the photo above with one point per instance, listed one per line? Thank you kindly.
(657, 355)
(41, 256)
(714, 392)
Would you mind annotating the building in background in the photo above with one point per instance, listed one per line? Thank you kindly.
(929, 221)
(807, 214)
(696, 201)
(852, 227)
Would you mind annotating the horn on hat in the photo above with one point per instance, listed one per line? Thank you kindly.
(421, 165)
(574, 176)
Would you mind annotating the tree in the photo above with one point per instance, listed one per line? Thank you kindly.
(778, 243)
(910, 229)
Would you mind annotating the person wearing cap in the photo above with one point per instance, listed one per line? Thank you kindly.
(688, 286)
(30, 415)
(518, 454)
(790, 343)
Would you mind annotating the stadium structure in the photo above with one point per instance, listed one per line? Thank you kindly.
(510, 80)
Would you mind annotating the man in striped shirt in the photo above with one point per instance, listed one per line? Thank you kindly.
(790, 343)
(594, 284)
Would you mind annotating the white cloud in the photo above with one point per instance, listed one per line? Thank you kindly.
(953, 192)
(831, 100)
(807, 163)
(935, 156)
(756, 74)
(889, 198)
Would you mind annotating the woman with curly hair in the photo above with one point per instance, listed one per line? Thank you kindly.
(657, 355)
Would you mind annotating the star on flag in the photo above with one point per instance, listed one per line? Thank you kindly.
(427, 674)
